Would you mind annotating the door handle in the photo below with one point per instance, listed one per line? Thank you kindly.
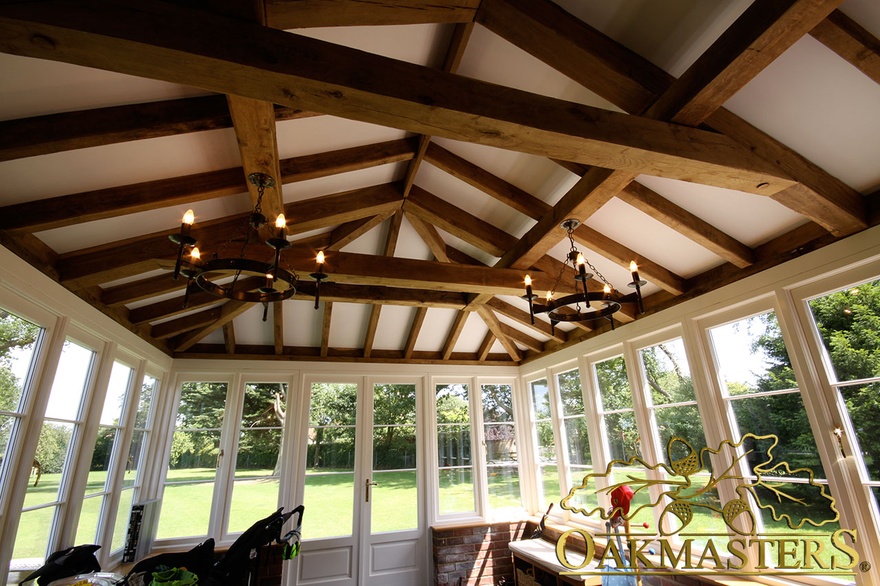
(367, 484)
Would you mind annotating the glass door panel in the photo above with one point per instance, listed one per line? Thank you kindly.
(330, 465)
(394, 499)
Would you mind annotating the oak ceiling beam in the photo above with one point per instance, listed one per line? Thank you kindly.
(65, 131)
(134, 256)
(325, 328)
(254, 122)
(321, 212)
(414, 330)
(824, 199)
(278, 327)
(687, 224)
(229, 337)
(518, 336)
(622, 255)
(430, 236)
(375, 310)
(760, 35)
(229, 311)
(493, 185)
(235, 57)
(181, 325)
(522, 317)
(569, 45)
(291, 14)
(69, 210)
(461, 34)
(460, 224)
(851, 41)
(591, 192)
(495, 327)
(454, 333)
(348, 232)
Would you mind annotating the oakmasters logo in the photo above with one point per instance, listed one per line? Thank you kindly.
(698, 533)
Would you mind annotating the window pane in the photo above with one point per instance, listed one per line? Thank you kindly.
(682, 422)
(49, 463)
(394, 503)
(452, 404)
(192, 466)
(132, 464)
(578, 442)
(863, 405)
(848, 322)
(667, 373)
(570, 392)
(456, 490)
(121, 525)
(147, 390)
(71, 377)
(454, 449)
(30, 545)
(623, 436)
(120, 380)
(258, 459)
(101, 459)
(613, 384)
(540, 399)
(20, 339)
(87, 528)
(497, 403)
(454, 445)
(751, 355)
(502, 466)
(783, 416)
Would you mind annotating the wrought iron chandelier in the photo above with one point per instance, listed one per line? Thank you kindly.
(582, 305)
(277, 282)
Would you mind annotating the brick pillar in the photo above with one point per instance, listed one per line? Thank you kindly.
(474, 555)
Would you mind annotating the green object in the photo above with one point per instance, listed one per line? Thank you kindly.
(174, 577)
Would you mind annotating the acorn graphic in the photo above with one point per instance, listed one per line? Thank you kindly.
(682, 511)
(735, 509)
(686, 465)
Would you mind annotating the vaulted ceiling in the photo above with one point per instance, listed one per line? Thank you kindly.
(432, 149)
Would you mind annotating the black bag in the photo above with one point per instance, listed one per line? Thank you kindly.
(68, 562)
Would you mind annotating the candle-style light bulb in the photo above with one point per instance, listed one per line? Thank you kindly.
(528, 281)
(195, 254)
(607, 291)
(581, 260)
(549, 296)
(320, 257)
(183, 239)
(637, 284)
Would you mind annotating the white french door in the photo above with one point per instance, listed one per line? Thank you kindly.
(361, 485)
